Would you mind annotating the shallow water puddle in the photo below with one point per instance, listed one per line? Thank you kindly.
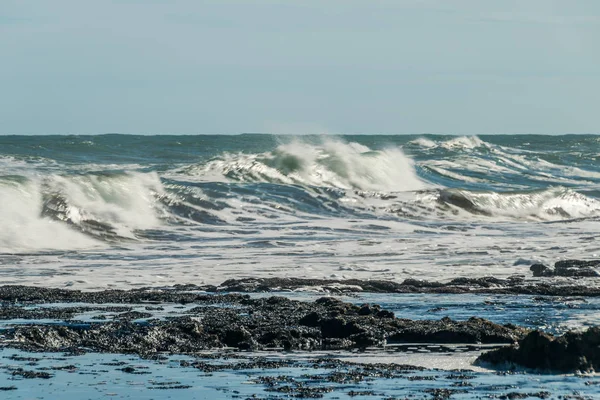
(238, 376)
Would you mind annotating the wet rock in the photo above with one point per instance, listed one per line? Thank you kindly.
(366, 339)
(339, 328)
(577, 268)
(385, 314)
(69, 368)
(10, 312)
(238, 337)
(31, 374)
(484, 285)
(568, 268)
(367, 309)
(133, 315)
(354, 393)
(132, 370)
(31, 360)
(566, 264)
(262, 323)
(310, 319)
(571, 352)
(541, 270)
(474, 330)
(168, 385)
(518, 395)
(443, 394)
(40, 295)
(487, 281)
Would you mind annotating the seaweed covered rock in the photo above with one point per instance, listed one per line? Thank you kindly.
(571, 352)
(262, 323)
(446, 330)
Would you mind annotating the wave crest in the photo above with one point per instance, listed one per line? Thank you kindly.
(51, 212)
(556, 203)
(458, 143)
(331, 163)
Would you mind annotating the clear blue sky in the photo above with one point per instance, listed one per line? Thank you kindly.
(299, 66)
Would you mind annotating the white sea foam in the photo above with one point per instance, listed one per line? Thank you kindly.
(23, 227)
(332, 163)
(551, 204)
(502, 161)
(454, 175)
(123, 203)
(457, 143)
(127, 202)
(423, 142)
(351, 212)
(464, 143)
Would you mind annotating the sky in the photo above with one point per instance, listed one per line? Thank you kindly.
(299, 66)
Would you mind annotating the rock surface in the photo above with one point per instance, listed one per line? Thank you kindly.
(569, 268)
(571, 352)
(190, 293)
(241, 322)
(484, 285)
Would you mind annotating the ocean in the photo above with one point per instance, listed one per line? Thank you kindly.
(124, 211)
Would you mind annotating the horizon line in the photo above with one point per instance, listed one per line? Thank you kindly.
(297, 134)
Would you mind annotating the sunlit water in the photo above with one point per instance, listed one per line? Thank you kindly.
(97, 211)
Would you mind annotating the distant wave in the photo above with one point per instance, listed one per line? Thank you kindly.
(472, 161)
(332, 163)
(459, 142)
(552, 204)
(49, 205)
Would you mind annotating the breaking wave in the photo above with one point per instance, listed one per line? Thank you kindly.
(50, 206)
(331, 163)
(51, 212)
(457, 143)
(552, 204)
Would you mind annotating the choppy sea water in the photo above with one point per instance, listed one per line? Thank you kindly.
(125, 210)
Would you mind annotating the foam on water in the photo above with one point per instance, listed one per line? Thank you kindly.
(332, 163)
(464, 143)
(127, 202)
(423, 142)
(23, 227)
(551, 204)
(57, 212)
(130, 211)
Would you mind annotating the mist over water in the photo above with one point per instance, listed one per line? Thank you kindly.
(172, 209)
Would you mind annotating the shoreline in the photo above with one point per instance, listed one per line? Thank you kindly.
(199, 320)
(516, 285)
(273, 338)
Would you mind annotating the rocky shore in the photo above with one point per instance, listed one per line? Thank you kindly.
(571, 352)
(242, 322)
(207, 318)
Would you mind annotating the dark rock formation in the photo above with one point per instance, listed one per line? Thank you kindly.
(577, 268)
(245, 323)
(31, 374)
(541, 270)
(571, 352)
(487, 285)
(572, 268)
(190, 293)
